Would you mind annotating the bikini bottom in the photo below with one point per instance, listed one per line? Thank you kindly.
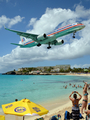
(84, 100)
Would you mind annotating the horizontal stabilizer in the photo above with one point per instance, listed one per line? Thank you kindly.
(17, 44)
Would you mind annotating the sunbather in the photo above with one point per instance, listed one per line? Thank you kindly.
(85, 98)
(75, 105)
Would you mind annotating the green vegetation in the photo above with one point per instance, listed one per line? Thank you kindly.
(49, 69)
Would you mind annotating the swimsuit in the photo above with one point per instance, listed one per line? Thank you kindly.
(84, 100)
(85, 94)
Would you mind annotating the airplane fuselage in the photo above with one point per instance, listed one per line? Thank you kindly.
(71, 28)
(50, 39)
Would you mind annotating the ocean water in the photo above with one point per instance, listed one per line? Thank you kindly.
(37, 88)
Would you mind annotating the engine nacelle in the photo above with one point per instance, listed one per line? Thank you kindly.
(59, 42)
(41, 37)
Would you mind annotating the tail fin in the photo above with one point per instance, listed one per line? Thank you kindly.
(23, 40)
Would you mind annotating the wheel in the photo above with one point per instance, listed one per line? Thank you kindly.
(73, 36)
(49, 47)
(38, 44)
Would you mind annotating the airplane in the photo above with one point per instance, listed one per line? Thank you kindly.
(30, 40)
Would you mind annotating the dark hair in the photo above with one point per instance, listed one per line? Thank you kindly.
(88, 107)
(16, 100)
(75, 96)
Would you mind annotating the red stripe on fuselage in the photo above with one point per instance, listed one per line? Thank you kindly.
(64, 26)
(64, 29)
(29, 42)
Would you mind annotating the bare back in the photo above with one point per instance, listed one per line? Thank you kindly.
(75, 102)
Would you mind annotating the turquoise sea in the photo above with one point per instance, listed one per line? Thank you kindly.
(37, 88)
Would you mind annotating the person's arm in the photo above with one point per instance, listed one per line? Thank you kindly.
(79, 95)
(85, 87)
(70, 96)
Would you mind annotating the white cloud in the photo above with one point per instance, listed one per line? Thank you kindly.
(15, 20)
(77, 48)
(32, 21)
(51, 19)
(3, 20)
(81, 66)
(10, 22)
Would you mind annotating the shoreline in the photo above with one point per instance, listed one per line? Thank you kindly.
(74, 74)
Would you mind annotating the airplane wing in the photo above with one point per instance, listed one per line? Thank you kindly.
(27, 35)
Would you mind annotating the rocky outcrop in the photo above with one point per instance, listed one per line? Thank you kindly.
(10, 73)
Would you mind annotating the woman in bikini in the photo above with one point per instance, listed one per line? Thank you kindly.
(85, 98)
(75, 106)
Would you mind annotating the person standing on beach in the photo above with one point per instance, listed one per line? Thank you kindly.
(75, 105)
(85, 98)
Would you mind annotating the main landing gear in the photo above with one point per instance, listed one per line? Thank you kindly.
(74, 34)
(38, 44)
(49, 46)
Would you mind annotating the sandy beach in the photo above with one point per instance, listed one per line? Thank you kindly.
(52, 111)
(55, 107)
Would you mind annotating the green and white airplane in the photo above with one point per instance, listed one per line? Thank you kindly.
(50, 39)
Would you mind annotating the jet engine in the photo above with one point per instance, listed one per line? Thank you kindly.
(59, 42)
(41, 37)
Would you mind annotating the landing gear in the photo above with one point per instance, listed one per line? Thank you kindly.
(49, 46)
(74, 34)
(38, 44)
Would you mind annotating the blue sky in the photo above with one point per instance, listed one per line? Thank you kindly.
(43, 16)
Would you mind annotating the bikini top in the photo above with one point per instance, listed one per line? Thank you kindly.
(85, 94)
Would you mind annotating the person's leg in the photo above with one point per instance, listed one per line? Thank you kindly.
(83, 106)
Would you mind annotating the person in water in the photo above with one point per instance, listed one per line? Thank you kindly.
(75, 105)
(85, 98)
